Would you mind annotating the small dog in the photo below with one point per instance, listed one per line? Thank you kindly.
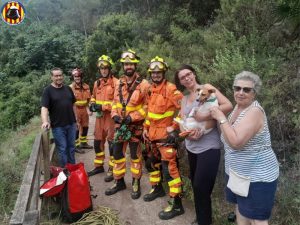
(207, 99)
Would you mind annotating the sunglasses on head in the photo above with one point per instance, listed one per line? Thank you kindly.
(245, 89)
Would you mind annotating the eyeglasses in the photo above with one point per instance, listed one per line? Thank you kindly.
(158, 65)
(129, 55)
(187, 75)
(245, 89)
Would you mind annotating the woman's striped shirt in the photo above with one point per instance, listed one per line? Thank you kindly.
(257, 158)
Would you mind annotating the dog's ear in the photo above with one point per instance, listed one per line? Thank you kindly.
(212, 90)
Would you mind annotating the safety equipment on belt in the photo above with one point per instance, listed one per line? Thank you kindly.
(117, 119)
(104, 61)
(122, 134)
(95, 107)
(157, 64)
(129, 56)
(127, 120)
(173, 138)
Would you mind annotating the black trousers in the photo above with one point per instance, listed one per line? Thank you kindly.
(203, 172)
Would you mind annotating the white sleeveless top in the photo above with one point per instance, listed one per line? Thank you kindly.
(257, 158)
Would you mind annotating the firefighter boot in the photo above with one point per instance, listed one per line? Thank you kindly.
(174, 209)
(85, 145)
(155, 192)
(96, 170)
(136, 189)
(119, 185)
(109, 175)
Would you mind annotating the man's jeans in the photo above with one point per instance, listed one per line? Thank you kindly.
(64, 138)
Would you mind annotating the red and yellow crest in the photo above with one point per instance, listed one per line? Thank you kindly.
(13, 13)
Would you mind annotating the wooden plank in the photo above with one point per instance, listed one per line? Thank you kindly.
(24, 192)
(46, 152)
(32, 218)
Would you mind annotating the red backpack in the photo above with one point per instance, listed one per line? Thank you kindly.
(73, 186)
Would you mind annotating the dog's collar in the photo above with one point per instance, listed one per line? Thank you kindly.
(212, 100)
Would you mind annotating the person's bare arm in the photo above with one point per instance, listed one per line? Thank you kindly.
(45, 118)
(237, 137)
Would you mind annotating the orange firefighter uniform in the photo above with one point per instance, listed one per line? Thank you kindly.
(103, 94)
(129, 101)
(163, 102)
(82, 95)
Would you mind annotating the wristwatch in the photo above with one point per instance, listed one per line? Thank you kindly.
(223, 121)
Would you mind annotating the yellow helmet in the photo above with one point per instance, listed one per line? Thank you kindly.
(104, 61)
(129, 56)
(157, 64)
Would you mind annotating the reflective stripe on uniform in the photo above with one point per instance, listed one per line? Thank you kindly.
(120, 160)
(128, 108)
(119, 172)
(136, 160)
(160, 116)
(175, 190)
(154, 179)
(174, 181)
(98, 161)
(157, 172)
(135, 171)
(100, 154)
(103, 102)
(81, 103)
(147, 122)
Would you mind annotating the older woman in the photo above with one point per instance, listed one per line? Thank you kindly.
(248, 152)
(203, 150)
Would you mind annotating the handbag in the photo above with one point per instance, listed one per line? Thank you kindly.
(238, 184)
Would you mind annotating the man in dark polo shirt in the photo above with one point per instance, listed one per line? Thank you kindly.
(57, 102)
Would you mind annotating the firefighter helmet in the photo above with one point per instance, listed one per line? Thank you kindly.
(157, 64)
(129, 56)
(104, 61)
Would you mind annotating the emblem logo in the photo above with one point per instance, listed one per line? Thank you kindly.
(13, 13)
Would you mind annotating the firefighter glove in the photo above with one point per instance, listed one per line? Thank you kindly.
(173, 137)
(127, 120)
(117, 119)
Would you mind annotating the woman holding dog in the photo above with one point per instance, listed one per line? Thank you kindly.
(203, 150)
(248, 153)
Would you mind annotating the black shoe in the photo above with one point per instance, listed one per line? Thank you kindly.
(119, 185)
(86, 145)
(109, 175)
(80, 151)
(136, 189)
(96, 170)
(173, 209)
(155, 192)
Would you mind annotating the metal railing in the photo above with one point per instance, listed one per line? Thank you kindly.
(28, 204)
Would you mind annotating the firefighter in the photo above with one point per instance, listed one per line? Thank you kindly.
(101, 103)
(129, 113)
(161, 131)
(82, 94)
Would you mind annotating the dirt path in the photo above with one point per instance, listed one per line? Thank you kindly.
(131, 212)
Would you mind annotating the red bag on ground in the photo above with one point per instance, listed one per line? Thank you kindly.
(73, 186)
(54, 186)
(76, 198)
